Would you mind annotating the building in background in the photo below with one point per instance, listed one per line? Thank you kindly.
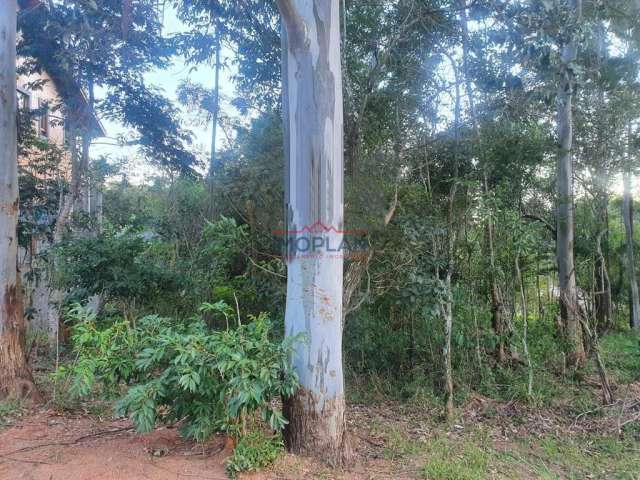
(39, 97)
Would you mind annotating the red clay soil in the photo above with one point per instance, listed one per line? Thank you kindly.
(50, 447)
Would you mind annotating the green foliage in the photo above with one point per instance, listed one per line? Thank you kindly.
(105, 355)
(211, 380)
(73, 41)
(41, 181)
(142, 270)
(621, 353)
(115, 264)
(254, 451)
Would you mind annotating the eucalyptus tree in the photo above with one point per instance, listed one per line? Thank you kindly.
(599, 142)
(549, 35)
(569, 306)
(15, 378)
(203, 44)
(313, 115)
(624, 22)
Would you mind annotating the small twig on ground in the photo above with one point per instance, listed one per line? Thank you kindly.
(36, 462)
(66, 444)
(588, 412)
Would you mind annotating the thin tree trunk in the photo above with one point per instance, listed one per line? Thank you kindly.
(214, 166)
(446, 306)
(539, 290)
(70, 198)
(594, 346)
(602, 297)
(15, 377)
(525, 326)
(312, 82)
(498, 311)
(569, 307)
(627, 216)
(447, 315)
(477, 331)
(216, 109)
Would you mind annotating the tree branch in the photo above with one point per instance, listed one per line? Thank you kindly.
(297, 29)
(536, 218)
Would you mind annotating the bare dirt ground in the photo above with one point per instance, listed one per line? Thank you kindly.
(488, 440)
(48, 446)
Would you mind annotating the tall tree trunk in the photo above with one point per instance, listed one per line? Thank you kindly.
(213, 162)
(446, 305)
(312, 98)
(602, 297)
(627, 216)
(569, 307)
(214, 166)
(499, 312)
(15, 378)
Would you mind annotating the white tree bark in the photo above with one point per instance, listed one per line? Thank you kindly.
(15, 378)
(312, 98)
(8, 159)
(569, 308)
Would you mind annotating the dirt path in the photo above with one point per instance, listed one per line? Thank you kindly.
(50, 447)
(490, 440)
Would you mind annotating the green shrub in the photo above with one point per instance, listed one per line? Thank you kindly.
(210, 380)
(115, 265)
(254, 451)
(105, 354)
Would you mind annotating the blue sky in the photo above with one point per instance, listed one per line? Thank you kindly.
(167, 81)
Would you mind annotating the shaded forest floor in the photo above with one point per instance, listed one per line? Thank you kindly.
(490, 439)
(569, 437)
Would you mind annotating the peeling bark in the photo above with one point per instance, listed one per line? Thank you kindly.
(446, 304)
(312, 432)
(15, 377)
(312, 104)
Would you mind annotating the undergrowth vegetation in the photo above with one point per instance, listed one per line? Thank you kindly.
(168, 371)
(156, 263)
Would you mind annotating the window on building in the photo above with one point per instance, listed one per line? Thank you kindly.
(43, 118)
(24, 106)
(24, 100)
